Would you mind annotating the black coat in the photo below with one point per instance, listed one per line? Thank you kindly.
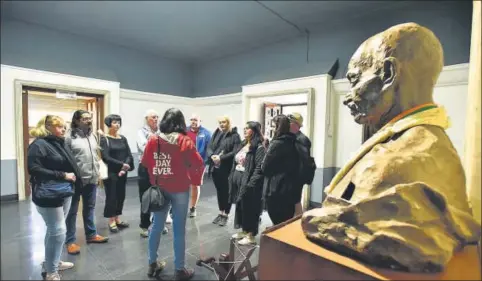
(280, 169)
(227, 143)
(48, 160)
(252, 181)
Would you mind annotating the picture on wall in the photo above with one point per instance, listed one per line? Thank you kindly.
(271, 110)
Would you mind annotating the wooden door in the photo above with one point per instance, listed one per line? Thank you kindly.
(26, 141)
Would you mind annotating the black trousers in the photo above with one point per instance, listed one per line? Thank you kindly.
(279, 210)
(115, 195)
(248, 211)
(143, 183)
(220, 179)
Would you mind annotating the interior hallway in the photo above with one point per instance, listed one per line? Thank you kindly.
(124, 257)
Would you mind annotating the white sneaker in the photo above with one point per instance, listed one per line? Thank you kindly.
(64, 265)
(168, 219)
(52, 276)
(144, 233)
(239, 235)
(248, 240)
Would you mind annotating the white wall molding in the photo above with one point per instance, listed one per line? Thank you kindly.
(154, 97)
(451, 75)
(234, 98)
(248, 88)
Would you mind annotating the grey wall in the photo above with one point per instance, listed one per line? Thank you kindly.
(450, 21)
(36, 47)
(9, 177)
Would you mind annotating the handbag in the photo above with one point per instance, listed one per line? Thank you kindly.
(153, 199)
(103, 170)
(54, 190)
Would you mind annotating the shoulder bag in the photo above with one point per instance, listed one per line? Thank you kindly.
(153, 199)
(103, 170)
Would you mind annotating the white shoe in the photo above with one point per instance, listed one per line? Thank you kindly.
(64, 265)
(248, 240)
(168, 219)
(239, 235)
(52, 276)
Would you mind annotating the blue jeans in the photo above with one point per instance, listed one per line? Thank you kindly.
(55, 236)
(180, 204)
(88, 193)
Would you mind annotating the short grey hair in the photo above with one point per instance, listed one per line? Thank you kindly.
(150, 112)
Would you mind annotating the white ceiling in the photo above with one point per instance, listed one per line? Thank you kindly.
(190, 31)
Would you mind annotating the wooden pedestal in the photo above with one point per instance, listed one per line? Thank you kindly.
(286, 254)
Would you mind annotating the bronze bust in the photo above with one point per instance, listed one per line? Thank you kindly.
(401, 201)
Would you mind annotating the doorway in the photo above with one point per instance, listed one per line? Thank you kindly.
(38, 102)
(263, 107)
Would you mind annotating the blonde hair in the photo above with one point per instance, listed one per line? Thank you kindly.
(47, 121)
(227, 119)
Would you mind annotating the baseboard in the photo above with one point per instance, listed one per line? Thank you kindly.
(9, 198)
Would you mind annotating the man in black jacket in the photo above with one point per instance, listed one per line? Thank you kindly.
(296, 122)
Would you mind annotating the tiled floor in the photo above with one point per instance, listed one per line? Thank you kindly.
(124, 257)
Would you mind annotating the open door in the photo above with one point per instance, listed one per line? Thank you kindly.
(41, 101)
(26, 141)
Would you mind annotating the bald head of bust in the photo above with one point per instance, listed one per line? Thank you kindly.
(393, 71)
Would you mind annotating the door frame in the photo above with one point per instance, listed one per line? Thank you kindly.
(309, 122)
(19, 121)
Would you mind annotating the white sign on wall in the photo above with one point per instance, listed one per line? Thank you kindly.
(66, 95)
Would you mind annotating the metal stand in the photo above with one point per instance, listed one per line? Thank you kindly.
(226, 269)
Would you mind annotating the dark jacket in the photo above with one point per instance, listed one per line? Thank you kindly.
(252, 181)
(48, 160)
(280, 168)
(304, 140)
(228, 144)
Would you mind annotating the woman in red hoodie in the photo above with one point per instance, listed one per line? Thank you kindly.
(174, 164)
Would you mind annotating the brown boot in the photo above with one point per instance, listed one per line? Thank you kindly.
(73, 249)
(97, 239)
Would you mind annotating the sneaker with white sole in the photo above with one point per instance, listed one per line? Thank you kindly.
(144, 233)
(53, 276)
(168, 219)
(248, 240)
(192, 212)
(63, 265)
(240, 235)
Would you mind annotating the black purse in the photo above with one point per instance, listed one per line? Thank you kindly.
(54, 190)
(153, 199)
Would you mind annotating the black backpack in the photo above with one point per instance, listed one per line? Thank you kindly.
(307, 165)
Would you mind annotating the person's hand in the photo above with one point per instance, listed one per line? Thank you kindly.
(216, 159)
(125, 167)
(100, 132)
(70, 177)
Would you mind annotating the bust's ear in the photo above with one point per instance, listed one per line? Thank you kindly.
(390, 72)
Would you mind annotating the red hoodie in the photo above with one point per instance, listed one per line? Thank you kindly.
(176, 166)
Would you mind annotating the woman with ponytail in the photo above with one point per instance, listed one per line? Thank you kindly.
(54, 176)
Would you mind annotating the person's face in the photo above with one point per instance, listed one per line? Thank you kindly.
(58, 130)
(372, 94)
(85, 121)
(115, 126)
(152, 121)
(294, 127)
(195, 123)
(223, 125)
(248, 132)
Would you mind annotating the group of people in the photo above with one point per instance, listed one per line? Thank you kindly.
(173, 156)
